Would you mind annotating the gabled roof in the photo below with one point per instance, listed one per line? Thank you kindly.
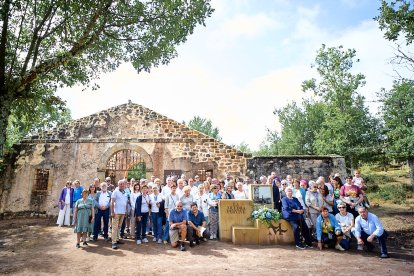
(127, 122)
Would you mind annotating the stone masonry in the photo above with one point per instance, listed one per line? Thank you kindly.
(302, 167)
(82, 148)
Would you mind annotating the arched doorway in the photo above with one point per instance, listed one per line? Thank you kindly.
(125, 163)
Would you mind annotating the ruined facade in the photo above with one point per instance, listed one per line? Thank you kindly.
(300, 167)
(123, 141)
(130, 141)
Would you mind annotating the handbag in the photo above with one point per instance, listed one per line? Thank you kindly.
(308, 221)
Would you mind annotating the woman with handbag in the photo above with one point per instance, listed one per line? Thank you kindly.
(83, 217)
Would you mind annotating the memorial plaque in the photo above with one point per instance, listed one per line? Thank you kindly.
(233, 212)
(262, 195)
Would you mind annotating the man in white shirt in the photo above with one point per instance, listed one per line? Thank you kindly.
(368, 228)
(103, 200)
(166, 189)
(169, 205)
(119, 201)
(155, 199)
(194, 189)
(180, 187)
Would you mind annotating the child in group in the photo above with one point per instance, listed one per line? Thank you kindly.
(359, 181)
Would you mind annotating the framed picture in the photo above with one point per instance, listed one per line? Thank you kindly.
(261, 195)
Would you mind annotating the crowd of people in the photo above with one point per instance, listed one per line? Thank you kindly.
(327, 212)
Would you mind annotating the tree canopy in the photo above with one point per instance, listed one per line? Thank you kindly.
(56, 43)
(205, 126)
(334, 118)
(398, 114)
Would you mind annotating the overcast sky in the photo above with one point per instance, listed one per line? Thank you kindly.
(251, 58)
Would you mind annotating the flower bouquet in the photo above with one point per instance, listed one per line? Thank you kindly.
(265, 215)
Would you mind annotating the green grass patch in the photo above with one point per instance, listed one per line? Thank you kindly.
(396, 193)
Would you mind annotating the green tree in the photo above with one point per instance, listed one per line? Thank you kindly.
(35, 115)
(347, 125)
(204, 126)
(396, 19)
(299, 127)
(56, 43)
(398, 107)
(270, 145)
(244, 147)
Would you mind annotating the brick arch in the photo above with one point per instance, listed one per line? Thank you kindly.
(125, 146)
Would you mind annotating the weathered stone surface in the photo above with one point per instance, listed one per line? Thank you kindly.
(302, 167)
(81, 150)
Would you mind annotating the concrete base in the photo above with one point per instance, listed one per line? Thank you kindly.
(278, 233)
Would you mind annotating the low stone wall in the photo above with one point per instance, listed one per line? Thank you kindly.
(302, 166)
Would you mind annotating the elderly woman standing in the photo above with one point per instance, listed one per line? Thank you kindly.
(83, 217)
(187, 198)
(240, 193)
(314, 201)
(293, 211)
(213, 211)
(65, 203)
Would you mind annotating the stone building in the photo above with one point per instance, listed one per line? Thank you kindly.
(300, 166)
(128, 140)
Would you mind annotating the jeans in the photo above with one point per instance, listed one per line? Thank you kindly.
(381, 239)
(166, 231)
(142, 226)
(299, 226)
(156, 225)
(97, 226)
(122, 231)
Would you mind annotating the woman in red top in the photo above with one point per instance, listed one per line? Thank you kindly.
(352, 195)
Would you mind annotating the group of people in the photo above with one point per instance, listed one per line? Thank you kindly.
(330, 212)
(187, 209)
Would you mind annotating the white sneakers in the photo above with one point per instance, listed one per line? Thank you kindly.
(339, 247)
(87, 239)
(138, 242)
(145, 240)
(154, 239)
(159, 241)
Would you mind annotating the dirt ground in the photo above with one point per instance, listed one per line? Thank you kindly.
(38, 247)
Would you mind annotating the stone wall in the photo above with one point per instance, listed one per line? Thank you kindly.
(302, 167)
(82, 148)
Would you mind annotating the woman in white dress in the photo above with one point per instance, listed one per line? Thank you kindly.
(65, 204)
(240, 193)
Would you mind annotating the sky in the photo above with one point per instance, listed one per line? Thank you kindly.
(250, 58)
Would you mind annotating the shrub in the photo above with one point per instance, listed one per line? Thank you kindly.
(397, 193)
(371, 179)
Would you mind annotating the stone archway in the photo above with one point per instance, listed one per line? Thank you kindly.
(111, 152)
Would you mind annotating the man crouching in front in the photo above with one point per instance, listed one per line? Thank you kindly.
(178, 226)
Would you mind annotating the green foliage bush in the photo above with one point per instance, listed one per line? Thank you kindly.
(376, 179)
(397, 193)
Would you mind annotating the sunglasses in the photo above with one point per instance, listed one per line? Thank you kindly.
(341, 207)
(214, 188)
(179, 206)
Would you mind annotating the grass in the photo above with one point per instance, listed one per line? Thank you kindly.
(391, 197)
(392, 186)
